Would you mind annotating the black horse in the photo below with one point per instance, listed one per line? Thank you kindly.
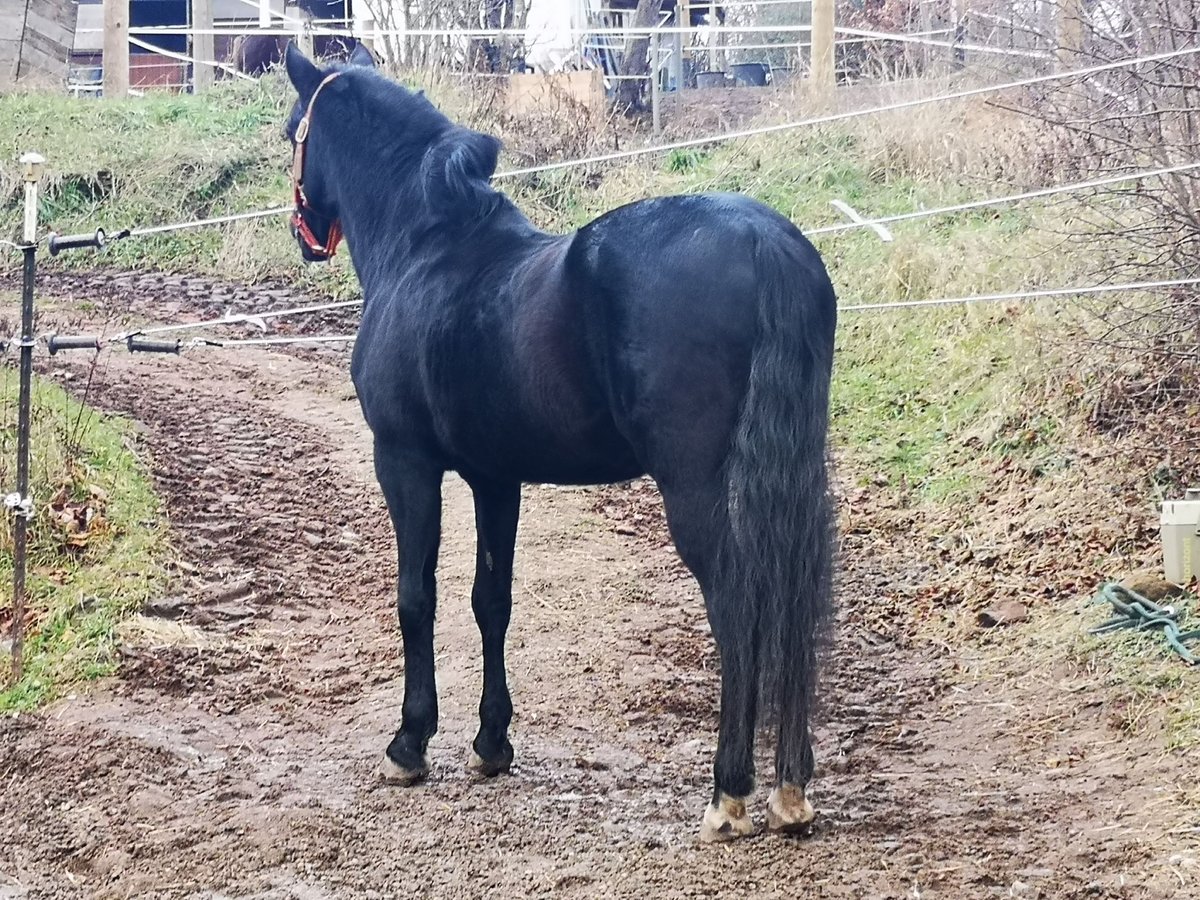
(690, 338)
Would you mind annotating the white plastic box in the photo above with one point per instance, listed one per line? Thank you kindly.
(1180, 526)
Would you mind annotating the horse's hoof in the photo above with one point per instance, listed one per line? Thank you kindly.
(489, 768)
(393, 773)
(788, 810)
(725, 820)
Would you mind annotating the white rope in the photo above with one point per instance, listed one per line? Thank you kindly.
(838, 117)
(914, 39)
(170, 54)
(823, 229)
(1023, 295)
(865, 307)
(283, 17)
(218, 220)
(1011, 198)
(261, 342)
(258, 319)
(469, 33)
(750, 132)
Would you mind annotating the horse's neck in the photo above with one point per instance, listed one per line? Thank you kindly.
(391, 250)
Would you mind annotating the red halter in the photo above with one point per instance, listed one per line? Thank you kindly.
(299, 225)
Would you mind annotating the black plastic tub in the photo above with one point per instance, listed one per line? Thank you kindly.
(710, 79)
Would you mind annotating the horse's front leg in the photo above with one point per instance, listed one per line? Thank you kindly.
(412, 486)
(497, 508)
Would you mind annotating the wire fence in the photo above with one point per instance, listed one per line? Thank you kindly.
(1066, 74)
(130, 339)
(877, 224)
(771, 129)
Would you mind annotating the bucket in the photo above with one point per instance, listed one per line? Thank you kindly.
(710, 79)
(749, 74)
(1180, 530)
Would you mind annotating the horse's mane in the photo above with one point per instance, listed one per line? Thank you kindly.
(410, 146)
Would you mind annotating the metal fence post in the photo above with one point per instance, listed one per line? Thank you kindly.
(21, 503)
(654, 87)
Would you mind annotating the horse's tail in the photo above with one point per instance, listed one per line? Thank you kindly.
(776, 561)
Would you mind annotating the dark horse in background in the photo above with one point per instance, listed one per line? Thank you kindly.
(254, 54)
(688, 337)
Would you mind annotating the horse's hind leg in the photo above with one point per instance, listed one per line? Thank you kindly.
(497, 508)
(696, 516)
(412, 487)
(788, 808)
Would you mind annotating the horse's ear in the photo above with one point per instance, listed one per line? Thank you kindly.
(468, 159)
(362, 57)
(471, 163)
(301, 72)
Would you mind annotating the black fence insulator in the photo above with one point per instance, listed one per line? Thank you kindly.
(72, 342)
(141, 345)
(60, 242)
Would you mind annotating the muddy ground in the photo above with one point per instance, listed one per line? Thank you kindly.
(237, 753)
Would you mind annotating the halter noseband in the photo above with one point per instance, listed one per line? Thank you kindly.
(318, 250)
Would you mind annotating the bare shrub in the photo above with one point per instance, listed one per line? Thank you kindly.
(1137, 364)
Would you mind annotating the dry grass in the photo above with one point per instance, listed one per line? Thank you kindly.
(153, 632)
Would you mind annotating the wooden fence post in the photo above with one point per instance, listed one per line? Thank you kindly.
(683, 40)
(203, 46)
(116, 48)
(823, 75)
(1068, 31)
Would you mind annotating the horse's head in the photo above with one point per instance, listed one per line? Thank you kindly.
(359, 138)
(315, 220)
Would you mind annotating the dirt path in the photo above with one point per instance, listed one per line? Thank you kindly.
(236, 756)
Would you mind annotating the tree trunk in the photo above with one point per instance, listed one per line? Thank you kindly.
(636, 60)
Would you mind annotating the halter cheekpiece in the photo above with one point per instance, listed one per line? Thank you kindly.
(299, 225)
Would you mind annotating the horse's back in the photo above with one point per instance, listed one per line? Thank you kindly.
(672, 298)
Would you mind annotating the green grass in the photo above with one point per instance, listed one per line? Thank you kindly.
(160, 159)
(80, 585)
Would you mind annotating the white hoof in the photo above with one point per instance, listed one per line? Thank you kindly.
(788, 809)
(480, 766)
(725, 820)
(394, 774)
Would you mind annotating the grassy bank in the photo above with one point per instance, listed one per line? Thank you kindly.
(98, 544)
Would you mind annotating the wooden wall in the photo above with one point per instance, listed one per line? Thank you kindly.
(35, 42)
(531, 92)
